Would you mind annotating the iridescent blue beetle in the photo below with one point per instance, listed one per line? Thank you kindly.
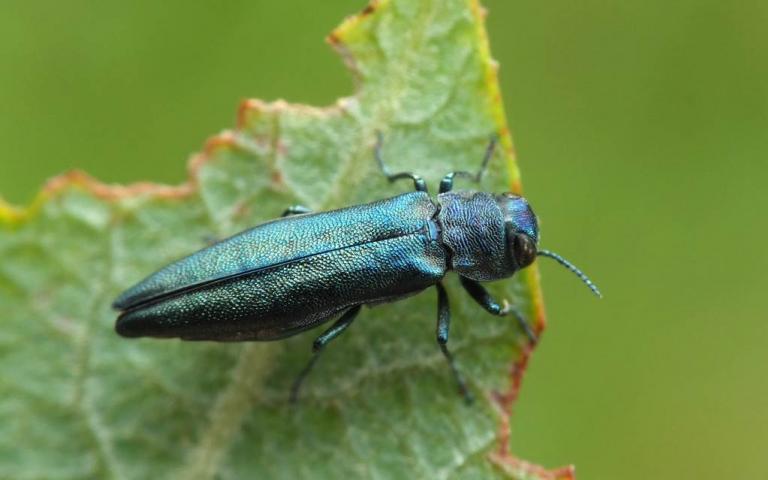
(297, 272)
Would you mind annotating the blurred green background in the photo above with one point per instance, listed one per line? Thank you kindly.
(642, 132)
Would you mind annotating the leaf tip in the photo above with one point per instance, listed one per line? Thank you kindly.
(351, 24)
(225, 139)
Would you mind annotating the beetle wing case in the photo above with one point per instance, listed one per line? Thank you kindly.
(290, 274)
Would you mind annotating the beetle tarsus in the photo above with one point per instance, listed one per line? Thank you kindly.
(319, 344)
(418, 183)
(300, 378)
(443, 328)
(485, 300)
(523, 324)
(446, 184)
(463, 389)
(482, 297)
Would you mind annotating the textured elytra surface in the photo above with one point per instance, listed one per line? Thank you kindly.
(76, 401)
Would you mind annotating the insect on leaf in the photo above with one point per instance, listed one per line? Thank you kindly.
(78, 401)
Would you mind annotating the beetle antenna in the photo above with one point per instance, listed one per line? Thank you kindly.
(572, 268)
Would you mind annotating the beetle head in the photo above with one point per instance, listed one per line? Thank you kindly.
(522, 229)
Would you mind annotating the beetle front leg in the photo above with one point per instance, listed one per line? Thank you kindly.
(443, 327)
(446, 184)
(296, 210)
(319, 344)
(485, 300)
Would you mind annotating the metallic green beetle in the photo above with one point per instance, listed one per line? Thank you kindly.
(297, 272)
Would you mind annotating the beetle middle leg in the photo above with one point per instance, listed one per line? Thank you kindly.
(446, 184)
(418, 182)
(319, 344)
(443, 327)
(482, 297)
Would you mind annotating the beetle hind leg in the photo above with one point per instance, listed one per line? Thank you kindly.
(443, 327)
(319, 344)
(210, 239)
(296, 210)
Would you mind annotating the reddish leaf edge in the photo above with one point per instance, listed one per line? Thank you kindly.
(12, 216)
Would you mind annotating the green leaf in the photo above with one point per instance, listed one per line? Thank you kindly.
(77, 401)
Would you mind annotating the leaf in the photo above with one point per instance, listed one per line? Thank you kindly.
(77, 401)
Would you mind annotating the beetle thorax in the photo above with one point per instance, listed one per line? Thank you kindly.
(472, 226)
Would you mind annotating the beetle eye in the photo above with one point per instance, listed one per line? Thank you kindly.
(524, 250)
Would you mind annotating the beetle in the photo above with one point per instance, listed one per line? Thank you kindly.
(294, 273)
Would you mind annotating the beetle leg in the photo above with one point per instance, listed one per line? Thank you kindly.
(482, 297)
(296, 210)
(443, 326)
(319, 344)
(446, 184)
(209, 239)
(418, 182)
(292, 210)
